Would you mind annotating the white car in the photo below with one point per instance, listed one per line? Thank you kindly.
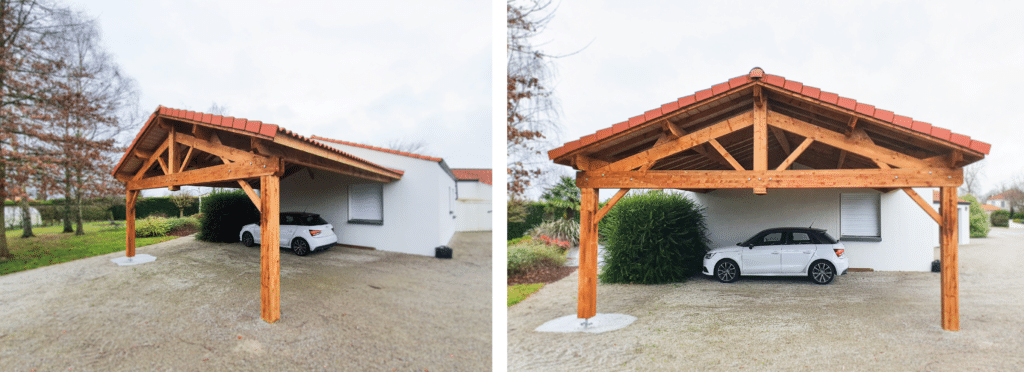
(791, 251)
(302, 232)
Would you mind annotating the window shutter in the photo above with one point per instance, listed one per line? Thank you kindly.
(859, 216)
(366, 203)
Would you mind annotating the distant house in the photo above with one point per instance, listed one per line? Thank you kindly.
(990, 208)
(1005, 199)
(473, 208)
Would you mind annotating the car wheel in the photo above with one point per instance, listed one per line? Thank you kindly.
(726, 271)
(247, 239)
(300, 247)
(822, 272)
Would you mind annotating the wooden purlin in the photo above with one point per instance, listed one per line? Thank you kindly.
(787, 179)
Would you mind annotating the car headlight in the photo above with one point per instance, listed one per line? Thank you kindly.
(709, 255)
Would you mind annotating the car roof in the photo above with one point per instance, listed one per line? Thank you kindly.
(794, 229)
(303, 214)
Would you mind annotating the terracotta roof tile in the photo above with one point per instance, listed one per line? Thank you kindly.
(704, 94)
(807, 91)
(652, 114)
(239, 124)
(482, 175)
(829, 97)
(375, 148)
(604, 133)
(883, 115)
(940, 133)
(253, 126)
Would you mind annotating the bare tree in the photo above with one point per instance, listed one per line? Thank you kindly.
(183, 199)
(216, 109)
(410, 146)
(972, 178)
(530, 107)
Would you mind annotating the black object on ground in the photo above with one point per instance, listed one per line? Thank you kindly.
(443, 252)
(936, 266)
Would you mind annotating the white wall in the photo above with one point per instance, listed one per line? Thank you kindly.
(12, 215)
(909, 235)
(418, 209)
(473, 209)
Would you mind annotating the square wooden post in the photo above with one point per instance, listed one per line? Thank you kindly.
(129, 223)
(270, 250)
(948, 240)
(586, 306)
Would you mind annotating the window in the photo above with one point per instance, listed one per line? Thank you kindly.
(859, 217)
(801, 238)
(772, 239)
(366, 204)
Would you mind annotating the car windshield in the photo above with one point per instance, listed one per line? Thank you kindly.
(309, 220)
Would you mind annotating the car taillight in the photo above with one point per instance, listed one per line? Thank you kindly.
(314, 232)
(839, 252)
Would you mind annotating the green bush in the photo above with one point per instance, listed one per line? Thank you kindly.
(561, 229)
(528, 255)
(224, 214)
(653, 237)
(192, 222)
(534, 216)
(145, 207)
(152, 226)
(519, 239)
(979, 221)
(1001, 218)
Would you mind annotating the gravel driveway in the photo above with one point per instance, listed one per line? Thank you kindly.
(197, 308)
(862, 322)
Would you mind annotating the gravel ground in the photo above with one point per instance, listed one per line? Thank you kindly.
(862, 321)
(197, 308)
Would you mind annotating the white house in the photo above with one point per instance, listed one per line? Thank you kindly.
(412, 215)
(473, 208)
(881, 231)
(13, 215)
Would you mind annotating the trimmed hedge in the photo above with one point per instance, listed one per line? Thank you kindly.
(653, 237)
(534, 217)
(144, 207)
(224, 214)
(1001, 218)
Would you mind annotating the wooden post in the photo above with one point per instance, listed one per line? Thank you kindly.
(586, 306)
(270, 250)
(948, 239)
(129, 223)
(760, 142)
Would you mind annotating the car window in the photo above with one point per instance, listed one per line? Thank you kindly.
(826, 238)
(801, 238)
(287, 219)
(771, 239)
(312, 220)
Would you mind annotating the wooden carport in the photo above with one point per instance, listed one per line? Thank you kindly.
(184, 148)
(747, 133)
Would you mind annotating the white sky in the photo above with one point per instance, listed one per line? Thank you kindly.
(954, 65)
(367, 71)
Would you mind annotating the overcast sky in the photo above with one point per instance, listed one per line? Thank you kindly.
(954, 65)
(361, 71)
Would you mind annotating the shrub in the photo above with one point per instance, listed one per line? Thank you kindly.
(152, 226)
(529, 255)
(224, 214)
(533, 215)
(519, 239)
(654, 237)
(561, 229)
(1001, 218)
(979, 221)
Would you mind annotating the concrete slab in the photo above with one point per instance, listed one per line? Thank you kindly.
(129, 261)
(600, 323)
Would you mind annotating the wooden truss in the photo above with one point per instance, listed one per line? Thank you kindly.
(895, 170)
(190, 153)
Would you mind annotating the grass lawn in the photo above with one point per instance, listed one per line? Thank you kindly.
(520, 292)
(51, 246)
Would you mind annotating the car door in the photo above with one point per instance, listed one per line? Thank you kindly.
(797, 252)
(763, 257)
(288, 225)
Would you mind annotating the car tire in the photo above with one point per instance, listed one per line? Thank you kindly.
(727, 271)
(247, 239)
(300, 247)
(822, 272)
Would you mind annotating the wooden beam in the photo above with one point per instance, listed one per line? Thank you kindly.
(851, 126)
(758, 96)
(152, 158)
(924, 205)
(586, 305)
(586, 163)
(231, 153)
(948, 241)
(172, 153)
(781, 137)
(761, 138)
(306, 147)
(842, 158)
(129, 222)
(682, 143)
(252, 194)
(796, 154)
(611, 203)
(674, 129)
(225, 172)
(141, 154)
(725, 154)
(788, 179)
(860, 145)
(270, 250)
(188, 159)
(163, 165)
